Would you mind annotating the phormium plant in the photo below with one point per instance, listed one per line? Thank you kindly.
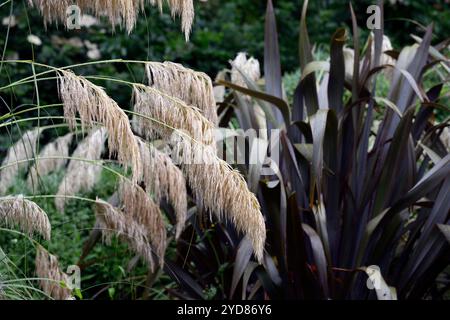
(359, 207)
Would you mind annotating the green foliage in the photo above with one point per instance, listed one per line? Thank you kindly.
(105, 270)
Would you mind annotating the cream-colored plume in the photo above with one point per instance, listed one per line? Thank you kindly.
(119, 12)
(221, 190)
(250, 67)
(219, 91)
(194, 88)
(163, 179)
(82, 175)
(26, 215)
(111, 221)
(50, 276)
(54, 157)
(349, 58)
(166, 114)
(139, 207)
(95, 106)
(22, 150)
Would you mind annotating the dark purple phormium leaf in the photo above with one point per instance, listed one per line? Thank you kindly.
(331, 184)
(337, 71)
(269, 198)
(319, 257)
(301, 283)
(279, 103)
(426, 112)
(272, 63)
(438, 215)
(308, 85)
(243, 255)
(293, 175)
(402, 94)
(430, 181)
(356, 59)
(393, 163)
(183, 278)
(243, 112)
(391, 216)
(363, 142)
(297, 114)
(379, 33)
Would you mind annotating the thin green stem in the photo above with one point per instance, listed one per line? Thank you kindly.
(36, 107)
(94, 162)
(53, 69)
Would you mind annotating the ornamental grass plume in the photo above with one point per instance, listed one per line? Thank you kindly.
(140, 208)
(112, 222)
(221, 190)
(250, 67)
(119, 12)
(95, 106)
(22, 150)
(50, 275)
(163, 179)
(54, 157)
(24, 214)
(184, 9)
(194, 88)
(170, 114)
(220, 91)
(81, 174)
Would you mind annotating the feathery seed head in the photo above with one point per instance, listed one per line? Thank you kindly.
(163, 179)
(222, 190)
(138, 206)
(22, 150)
(111, 221)
(170, 114)
(82, 175)
(95, 106)
(54, 157)
(250, 67)
(47, 269)
(25, 214)
(194, 88)
(119, 12)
